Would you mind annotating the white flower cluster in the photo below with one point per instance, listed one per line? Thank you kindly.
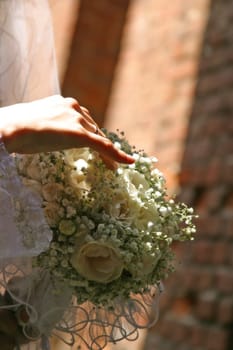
(112, 231)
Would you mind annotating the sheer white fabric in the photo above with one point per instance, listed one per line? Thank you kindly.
(23, 228)
(27, 72)
(27, 62)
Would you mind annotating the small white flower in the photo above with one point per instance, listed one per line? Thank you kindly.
(117, 145)
(163, 210)
(80, 164)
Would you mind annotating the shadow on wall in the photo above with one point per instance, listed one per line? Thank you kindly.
(197, 306)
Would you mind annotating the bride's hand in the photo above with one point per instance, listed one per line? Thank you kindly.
(55, 123)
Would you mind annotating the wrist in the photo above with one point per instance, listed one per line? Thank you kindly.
(8, 127)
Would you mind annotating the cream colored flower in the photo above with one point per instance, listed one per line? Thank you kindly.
(119, 205)
(77, 181)
(51, 211)
(33, 170)
(146, 213)
(98, 262)
(148, 264)
(135, 180)
(52, 191)
(73, 155)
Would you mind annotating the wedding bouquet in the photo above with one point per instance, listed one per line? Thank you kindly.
(112, 230)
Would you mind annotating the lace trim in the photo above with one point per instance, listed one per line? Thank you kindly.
(21, 213)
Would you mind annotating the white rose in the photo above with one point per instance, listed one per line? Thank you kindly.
(147, 213)
(118, 206)
(22, 162)
(52, 191)
(77, 180)
(148, 264)
(72, 155)
(135, 180)
(33, 168)
(98, 262)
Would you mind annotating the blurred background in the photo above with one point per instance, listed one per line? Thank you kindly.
(162, 71)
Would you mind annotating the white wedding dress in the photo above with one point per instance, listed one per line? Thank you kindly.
(27, 72)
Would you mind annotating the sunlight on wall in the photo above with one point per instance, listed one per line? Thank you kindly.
(155, 81)
(65, 16)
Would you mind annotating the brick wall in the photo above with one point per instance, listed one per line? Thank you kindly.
(156, 76)
(95, 49)
(64, 17)
(197, 308)
(172, 93)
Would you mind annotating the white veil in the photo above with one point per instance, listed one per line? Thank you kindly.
(27, 71)
(27, 60)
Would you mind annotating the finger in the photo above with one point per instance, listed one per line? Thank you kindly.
(73, 103)
(87, 115)
(106, 148)
(87, 124)
(110, 164)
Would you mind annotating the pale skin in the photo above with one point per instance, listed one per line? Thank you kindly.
(55, 123)
(50, 124)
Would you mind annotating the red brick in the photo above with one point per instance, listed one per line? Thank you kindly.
(227, 171)
(214, 173)
(180, 333)
(205, 279)
(211, 200)
(206, 305)
(219, 58)
(197, 336)
(209, 225)
(221, 252)
(225, 310)
(216, 339)
(203, 251)
(227, 227)
(216, 80)
(215, 103)
(224, 280)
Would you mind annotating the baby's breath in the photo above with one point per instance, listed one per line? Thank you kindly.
(112, 231)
